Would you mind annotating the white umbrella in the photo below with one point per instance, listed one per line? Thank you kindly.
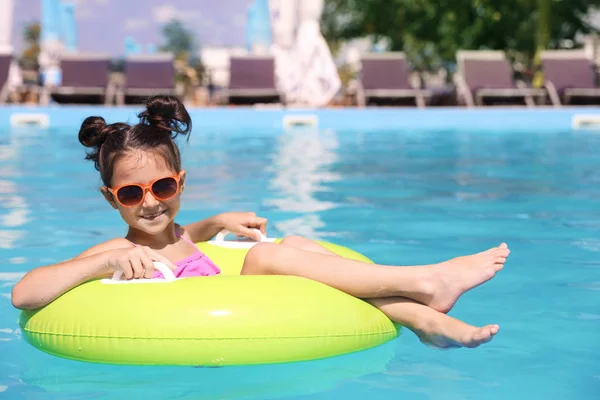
(304, 68)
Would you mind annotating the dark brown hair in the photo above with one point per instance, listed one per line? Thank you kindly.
(164, 118)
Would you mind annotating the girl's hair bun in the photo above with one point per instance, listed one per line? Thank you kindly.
(168, 114)
(93, 132)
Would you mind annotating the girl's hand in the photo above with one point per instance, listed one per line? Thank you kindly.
(136, 262)
(242, 223)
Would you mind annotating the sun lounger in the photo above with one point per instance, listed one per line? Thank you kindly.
(386, 76)
(146, 76)
(5, 61)
(252, 80)
(84, 78)
(488, 74)
(569, 75)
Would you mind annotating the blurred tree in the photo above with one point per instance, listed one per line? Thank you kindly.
(544, 8)
(31, 36)
(180, 41)
(431, 31)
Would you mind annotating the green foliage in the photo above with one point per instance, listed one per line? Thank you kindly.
(31, 36)
(431, 31)
(32, 32)
(178, 39)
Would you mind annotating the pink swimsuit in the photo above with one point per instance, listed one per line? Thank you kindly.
(198, 264)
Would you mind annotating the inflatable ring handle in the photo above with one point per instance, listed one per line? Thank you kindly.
(161, 267)
(221, 235)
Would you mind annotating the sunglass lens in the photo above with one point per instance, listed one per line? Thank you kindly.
(130, 195)
(165, 188)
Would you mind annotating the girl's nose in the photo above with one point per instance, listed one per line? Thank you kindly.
(149, 199)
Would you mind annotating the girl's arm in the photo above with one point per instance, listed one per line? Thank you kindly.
(42, 285)
(203, 231)
(238, 223)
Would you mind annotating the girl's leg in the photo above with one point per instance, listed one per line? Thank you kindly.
(306, 244)
(437, 285)
(433, 328)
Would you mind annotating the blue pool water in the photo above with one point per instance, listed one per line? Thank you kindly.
(400, 197)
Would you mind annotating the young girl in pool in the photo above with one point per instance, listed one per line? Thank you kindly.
(140, 167)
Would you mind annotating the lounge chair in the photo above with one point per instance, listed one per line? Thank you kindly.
(146, 76)
(84, 78)
(5, 61)
(488, 74)
(251, 80)
(569, 74)
(386, 76)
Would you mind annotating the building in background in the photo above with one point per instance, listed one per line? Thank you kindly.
(131, 47)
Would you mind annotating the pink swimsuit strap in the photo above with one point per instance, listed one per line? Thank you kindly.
(197, 254)
(198, 264)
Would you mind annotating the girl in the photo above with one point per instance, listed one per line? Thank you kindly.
(140, 167)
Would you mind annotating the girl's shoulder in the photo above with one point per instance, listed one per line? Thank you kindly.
(112, 244)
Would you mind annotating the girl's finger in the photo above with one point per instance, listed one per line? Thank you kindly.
(249, 233)
(136, 267)
(125, 266)
(147, 264)
(261, 224)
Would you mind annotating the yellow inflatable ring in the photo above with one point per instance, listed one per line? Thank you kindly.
(226, 319)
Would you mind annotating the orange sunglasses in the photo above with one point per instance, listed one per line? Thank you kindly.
(132, 195)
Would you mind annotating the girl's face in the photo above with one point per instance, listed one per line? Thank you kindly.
(158, 189)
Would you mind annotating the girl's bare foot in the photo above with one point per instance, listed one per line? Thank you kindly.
(434, 328)
(447, 333)
(450, 279)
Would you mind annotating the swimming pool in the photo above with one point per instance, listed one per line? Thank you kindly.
(396, 195)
